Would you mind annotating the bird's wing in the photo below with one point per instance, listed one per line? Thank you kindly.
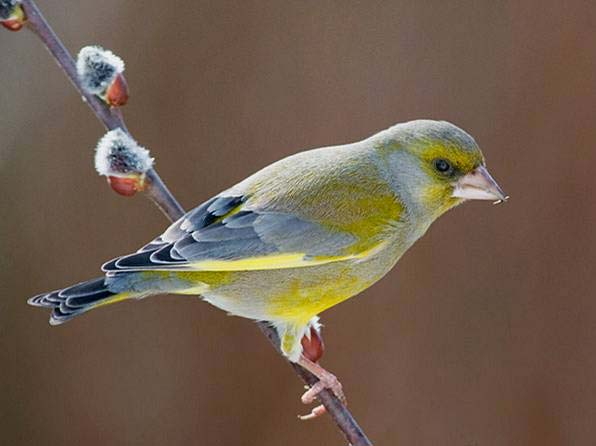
(225, 234)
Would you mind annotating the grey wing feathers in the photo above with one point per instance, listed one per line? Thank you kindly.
(198, 218)
(223, 228)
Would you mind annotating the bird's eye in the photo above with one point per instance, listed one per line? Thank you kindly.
(443, 166)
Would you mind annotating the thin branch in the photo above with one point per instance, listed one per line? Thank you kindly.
(111, 118)
(336, 409)
(157, 191)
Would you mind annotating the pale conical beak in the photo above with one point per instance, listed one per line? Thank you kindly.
(478, 185)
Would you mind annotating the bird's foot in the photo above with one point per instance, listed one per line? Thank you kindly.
(327, 380)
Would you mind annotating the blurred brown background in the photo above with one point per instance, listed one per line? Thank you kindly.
(484, 335)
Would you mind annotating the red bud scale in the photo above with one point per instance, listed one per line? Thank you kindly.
(314, 347)
(117, 92)
(127, 186)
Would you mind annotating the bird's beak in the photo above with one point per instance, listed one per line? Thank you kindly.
(478, 185)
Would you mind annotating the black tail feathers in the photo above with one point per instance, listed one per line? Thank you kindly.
(75, 300)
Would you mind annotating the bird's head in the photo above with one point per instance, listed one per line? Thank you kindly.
(434, 166)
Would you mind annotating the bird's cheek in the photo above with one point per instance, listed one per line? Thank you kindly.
(438, 199)
(436, 195)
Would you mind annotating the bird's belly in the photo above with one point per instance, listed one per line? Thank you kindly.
(294, 294)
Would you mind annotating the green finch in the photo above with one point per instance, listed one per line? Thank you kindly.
(301, 235)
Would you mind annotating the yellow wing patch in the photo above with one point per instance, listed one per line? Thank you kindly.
(279, 261)
(112, 300)
(231, 212)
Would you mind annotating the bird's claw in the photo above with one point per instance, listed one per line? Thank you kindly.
(326, 381)
(315, 413)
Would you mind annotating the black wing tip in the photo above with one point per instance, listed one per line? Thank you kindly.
(41, 300)
(162, 257)
(110, 265)
(72, 301)
(60, 310)
(59, 315)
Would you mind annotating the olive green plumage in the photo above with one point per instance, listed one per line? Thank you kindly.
(302, 234)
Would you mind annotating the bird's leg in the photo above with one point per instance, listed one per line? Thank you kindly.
(327, 380)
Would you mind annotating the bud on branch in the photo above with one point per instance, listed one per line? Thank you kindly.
(12, 16)
(100, 73)
(122, 161)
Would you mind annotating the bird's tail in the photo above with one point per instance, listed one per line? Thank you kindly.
(78, 299)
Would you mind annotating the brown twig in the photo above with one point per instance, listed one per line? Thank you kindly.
(338, 411)
(157, 191)
(111, 118)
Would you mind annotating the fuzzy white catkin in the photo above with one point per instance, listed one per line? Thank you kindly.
(118, 155)
(97, 68)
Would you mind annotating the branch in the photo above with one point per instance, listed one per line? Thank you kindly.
(157, 191)
(338, 411)
(111, 118)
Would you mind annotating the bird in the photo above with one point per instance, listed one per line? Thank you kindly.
(301, 235)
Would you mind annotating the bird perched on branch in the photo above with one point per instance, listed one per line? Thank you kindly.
(301, 235)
